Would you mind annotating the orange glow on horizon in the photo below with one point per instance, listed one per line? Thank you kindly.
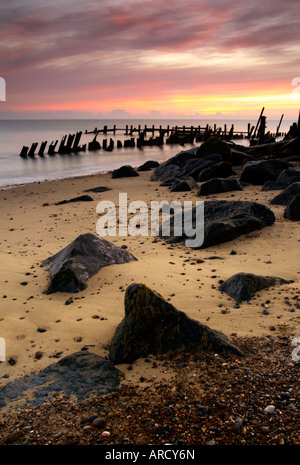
(233, 99)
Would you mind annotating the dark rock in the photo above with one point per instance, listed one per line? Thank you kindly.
(292, 211)
(215, 186)
(194, 166)
(238, 158)
(81, 198)
(165, 172)
(124, 171)
(286, 196)
(261, 171)
(219, 170)
(227, 220)
(72, 267)
(243, 286)
(182, 157)
(148, 165)
(273, 186)
(153, 326)
(183, 185)
(289, 176)
(98, 189)
(214, 145)
(81, 375)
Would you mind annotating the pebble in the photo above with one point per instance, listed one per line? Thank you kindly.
(99, 422)
(270, 409)
(105, 434)
(16, 436)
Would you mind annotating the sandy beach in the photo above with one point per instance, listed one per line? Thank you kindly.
(34, 228)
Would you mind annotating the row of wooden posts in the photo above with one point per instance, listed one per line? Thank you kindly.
(175, 135)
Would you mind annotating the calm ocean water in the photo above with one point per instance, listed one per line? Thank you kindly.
(16, 133)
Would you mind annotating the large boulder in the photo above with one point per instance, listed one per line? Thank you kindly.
(289, 176)
(72, 267)
(225, 221)
(218, 185)
(165, 172)
(182, 157)
(286, 196)
(214, 145)
(261, 171)
(273, 186)
(81, 375)
(124, 172)
(194, 166)
(292, 211)
(148, 165)
(153, 326)
(218, 170)
(243, 286)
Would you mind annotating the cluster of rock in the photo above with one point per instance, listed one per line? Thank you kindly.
(211, 169)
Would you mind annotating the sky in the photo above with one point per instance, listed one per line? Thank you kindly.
(127, 58)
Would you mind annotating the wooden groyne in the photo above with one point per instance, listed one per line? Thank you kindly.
(139, 137)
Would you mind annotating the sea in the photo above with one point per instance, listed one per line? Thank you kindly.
(14, 134)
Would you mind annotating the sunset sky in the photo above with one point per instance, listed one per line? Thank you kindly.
(149, 57)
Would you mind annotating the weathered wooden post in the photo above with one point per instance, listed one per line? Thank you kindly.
(42, 148)
(32, 149)
(258, 121)
(262, 129)
(24, 151)
(76, 141)
(61, 148)
(70, 140)
(52, 146)
(278, 127)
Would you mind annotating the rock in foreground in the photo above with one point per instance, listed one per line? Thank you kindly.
(124, 172)
(72, 267)
(261, 171)
(292, 211)
(286, 196)
(243, 286)
(81, 374)
(153, 326)
(219, 185)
